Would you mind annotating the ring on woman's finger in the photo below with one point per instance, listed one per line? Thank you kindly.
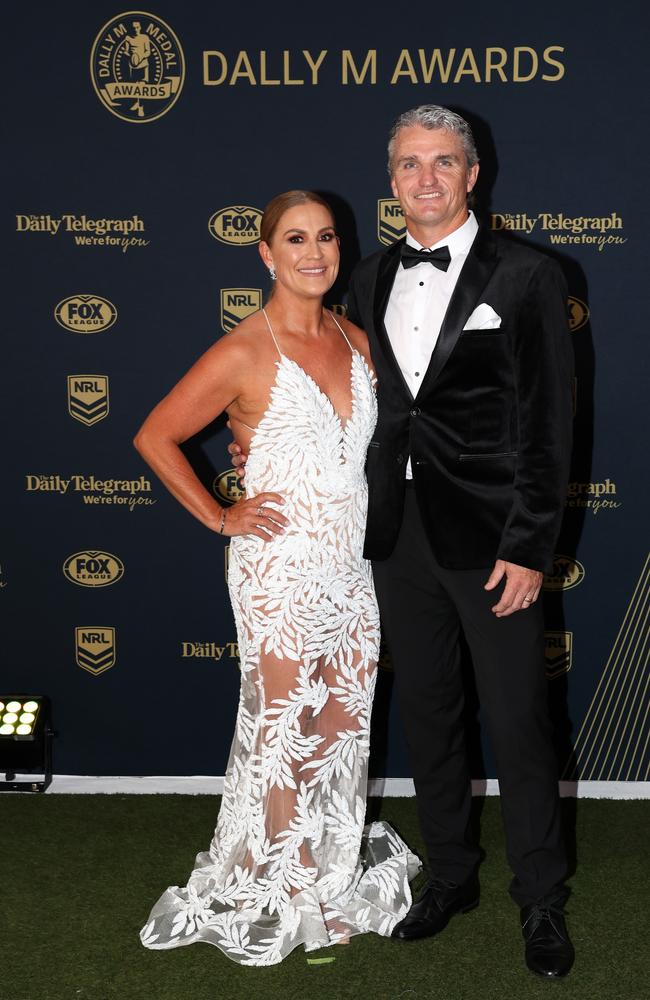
(528, 600)
(260, 510)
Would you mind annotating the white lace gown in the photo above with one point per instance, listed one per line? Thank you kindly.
(291, 862)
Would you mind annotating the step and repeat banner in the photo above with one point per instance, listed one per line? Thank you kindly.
(143, 146)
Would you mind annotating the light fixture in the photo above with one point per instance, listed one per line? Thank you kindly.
(25, 742)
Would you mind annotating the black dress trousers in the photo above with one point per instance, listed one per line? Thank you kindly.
(423, 607)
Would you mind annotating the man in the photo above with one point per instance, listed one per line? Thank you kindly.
(467, 475)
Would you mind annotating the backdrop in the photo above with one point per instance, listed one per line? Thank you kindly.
(142, 148)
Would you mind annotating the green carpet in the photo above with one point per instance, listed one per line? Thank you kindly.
(78, 875)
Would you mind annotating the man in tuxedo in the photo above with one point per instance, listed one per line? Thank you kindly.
(467, 476)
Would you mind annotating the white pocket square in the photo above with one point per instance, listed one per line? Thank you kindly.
(483, 318)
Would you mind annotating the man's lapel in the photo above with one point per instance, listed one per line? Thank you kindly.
(477, 271)
(387, 270)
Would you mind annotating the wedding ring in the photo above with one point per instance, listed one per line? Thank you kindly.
(260, 511)
(528, 600)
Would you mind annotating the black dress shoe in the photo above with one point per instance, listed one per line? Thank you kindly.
(435, 906)
(549, 952)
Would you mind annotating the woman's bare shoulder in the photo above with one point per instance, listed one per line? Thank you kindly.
(356, 336)
(246, 344)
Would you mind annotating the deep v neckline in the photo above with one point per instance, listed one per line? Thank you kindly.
(312, 381)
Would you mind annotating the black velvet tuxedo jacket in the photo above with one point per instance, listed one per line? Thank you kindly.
(489, 431)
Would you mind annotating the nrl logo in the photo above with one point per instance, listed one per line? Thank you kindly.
(88, 398)
(237, 304)
(95, 648)
(390, 221)
(558, 653)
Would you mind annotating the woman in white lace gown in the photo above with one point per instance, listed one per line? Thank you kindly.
(290, 862)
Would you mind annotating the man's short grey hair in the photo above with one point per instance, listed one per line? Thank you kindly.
(434, 116)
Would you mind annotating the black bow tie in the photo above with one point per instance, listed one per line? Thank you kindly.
(440, 258)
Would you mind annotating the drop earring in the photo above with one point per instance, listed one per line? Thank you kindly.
(272, 273)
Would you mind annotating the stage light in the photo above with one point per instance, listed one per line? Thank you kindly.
(25, 742)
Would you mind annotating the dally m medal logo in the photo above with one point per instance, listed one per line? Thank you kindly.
(578, 313)
(226, 487)
(137, 66)
(92, 568)
(238, 225)
(566, 573)
(85, 314)
(88, 398)
(390, 221)
(558, 653)
(237, 304)
(95, 648)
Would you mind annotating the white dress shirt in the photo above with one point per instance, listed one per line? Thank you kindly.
(418, 303)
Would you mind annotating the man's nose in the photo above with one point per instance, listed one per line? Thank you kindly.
(428, 177)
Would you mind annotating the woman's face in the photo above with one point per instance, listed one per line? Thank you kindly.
(304, 250)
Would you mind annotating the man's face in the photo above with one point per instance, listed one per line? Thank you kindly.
(431, 179)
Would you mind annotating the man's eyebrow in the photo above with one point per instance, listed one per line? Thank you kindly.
(411, 157)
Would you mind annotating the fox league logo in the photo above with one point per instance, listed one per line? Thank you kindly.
(238, 225)
(578, 313)
(137, 66)
(88, 398)
(565, 573)
(237, 304)
(85, 313)
(390, 221)
(95, 648)
(93, 568)
(226, 487)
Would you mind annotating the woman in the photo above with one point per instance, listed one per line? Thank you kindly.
(289, 863)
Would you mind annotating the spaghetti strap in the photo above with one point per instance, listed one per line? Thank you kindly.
(342, 331)
(268, 323)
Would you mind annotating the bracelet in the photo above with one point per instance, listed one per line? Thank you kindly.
(223, 520)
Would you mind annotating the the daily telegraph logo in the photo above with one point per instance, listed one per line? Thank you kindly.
(93, 568)
(237, 304)
(226, 487)
(578, 313)
(565, 573)
(558, 653)
(237, 225)
(594, 497)
(94, 492)
(137, 66)
(390, 221)
(95, 648)
(87, 230)
(597, 231)
(88, 398)
(209, 650)
(85, 313)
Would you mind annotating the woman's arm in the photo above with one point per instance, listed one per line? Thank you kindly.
(208, 388)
